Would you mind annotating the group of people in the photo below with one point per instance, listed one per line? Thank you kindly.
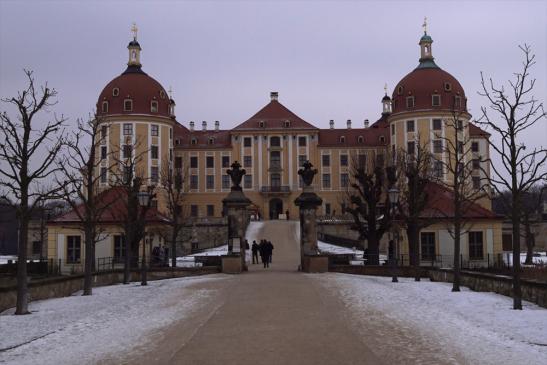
(160, 256)
(265, 249)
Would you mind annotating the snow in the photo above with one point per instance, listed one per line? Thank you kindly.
(471, 327)
(4, 259)
(539, 258)
(91, 329)
(330, 248)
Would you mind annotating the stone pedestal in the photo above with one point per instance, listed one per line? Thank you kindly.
(308, 202)
(231, 264)
(315, 264)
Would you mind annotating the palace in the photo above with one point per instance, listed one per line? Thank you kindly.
(271, 145)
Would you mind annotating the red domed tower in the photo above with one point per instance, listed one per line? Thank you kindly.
(424, 103)
(138, 120)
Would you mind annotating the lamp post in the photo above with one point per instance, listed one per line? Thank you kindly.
(144, 201)
(393, 194)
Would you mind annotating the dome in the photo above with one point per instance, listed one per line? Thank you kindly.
(137, 86)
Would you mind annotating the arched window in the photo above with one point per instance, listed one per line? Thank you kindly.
(194, 141)
(382, 139)
(115, 91)
(128, 105)
(360, 139)
(105, 107)
(342, 139)
(211, 140)
(153, 106)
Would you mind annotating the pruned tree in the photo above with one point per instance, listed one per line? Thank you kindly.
(510, 112)
(28, 149)
(415, 173)
(460, 174)
(369, 203)
(172, 181)
(85, 166)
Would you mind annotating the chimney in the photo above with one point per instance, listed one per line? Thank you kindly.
(366, 123)
(331, 123)
(192, 125)
(274, 95)
(204, 125)
(217, 125)
(349, 123)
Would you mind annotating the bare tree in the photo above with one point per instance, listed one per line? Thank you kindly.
(368, 201)
(173, 180)
(415, 173)
(84, 167)
(460, 174)
(510, 112)
(28, 153)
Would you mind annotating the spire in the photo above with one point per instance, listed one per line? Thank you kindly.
(426, 54)
(134, 61)
(386, 102)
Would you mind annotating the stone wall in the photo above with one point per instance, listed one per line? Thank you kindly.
(210, 233)
(384, 270)
(532, 291)
(63, 286)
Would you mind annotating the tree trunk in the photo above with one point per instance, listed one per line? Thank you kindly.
(413, 245)
(457, 249)
(174, 247)
(22, 287)
(517, 292)
(373, 250)
(89, 258)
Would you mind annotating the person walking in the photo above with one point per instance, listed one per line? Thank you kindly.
(269, 251)
(263, 253)
(254, 249)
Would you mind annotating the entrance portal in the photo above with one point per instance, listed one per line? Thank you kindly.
(276, 208)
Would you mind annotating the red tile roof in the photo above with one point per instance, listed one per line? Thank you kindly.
(114, 213)
(372, 136)
(274, 115)
(475, 131)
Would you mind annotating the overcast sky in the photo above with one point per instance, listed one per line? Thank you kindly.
(327, 60)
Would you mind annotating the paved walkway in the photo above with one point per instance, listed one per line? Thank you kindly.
(265, 316)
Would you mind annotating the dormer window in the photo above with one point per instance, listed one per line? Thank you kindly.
(153, 106)
(400, 90)
(360, 139)
(342, 139)
(457, 102)
(211, 140)
(177, 142)
(435, 100)
(128, 105)
(447, 86)
(382, 139)
(194, 141)
(162, 94)
(261, 124)
(105, 107)
(115, 91)
(287, 124)
(410, 101)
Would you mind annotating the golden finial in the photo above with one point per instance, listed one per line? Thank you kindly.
(425, 25)
(134, 30)
(385, 88)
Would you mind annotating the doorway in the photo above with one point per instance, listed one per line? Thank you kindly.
(276, 208)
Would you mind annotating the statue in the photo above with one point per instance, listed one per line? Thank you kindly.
(236, 174)
(307, 173)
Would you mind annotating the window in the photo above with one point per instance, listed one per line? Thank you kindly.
(475, 146)
(380, 159)
(410, 126)
(225, 161)
(325, 160)
(210, 162)
(427, 242)
(162, 94)
(170, 133)
(211, 140)
(460, 147)
(459, 124)
(248, 181)
(344, 180)
(457, 102)
(178, 162)
(115, 91)
(154, 152)
(437, 124)
(459, 169)
(411, 147)
(362, 160)
(393, 129)
(194, 141)
(476, 182)
(194, 162)
(410, 101)
(73, 249)
(225, 182)
(127, 174)
(119, 247)
(127, 129)
(438, 169)
(275, 180)
(327, 208)
(447, 86)
(103, 152)
(178, 182)
(301, 160)
(127, 149)
(247, 161)
(400, 90)
(326, 181)
(343, 160)
(342, 139)
(193, 210)
(104, 130)
(155, 130)
(128, 105)
(275, 159)
(382, 139)
(261, 124)
(154, 175)
(105, 107)
(438, 146)
(275, 141)
(302, 141)
(210, 182)
(475, 246)
(360, 139)
(210, 210)
(435, 100)
(247, 142)
(194, 182)
(103, 175)
(153, 106)
(287, 123)
(476, 164)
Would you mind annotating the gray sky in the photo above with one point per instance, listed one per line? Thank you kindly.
(328, 60)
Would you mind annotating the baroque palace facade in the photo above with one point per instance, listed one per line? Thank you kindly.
(139, 120)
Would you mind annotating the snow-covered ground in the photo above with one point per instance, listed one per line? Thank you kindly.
(4, 259)
(88, 330)
(540, 258)
(471, 327)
